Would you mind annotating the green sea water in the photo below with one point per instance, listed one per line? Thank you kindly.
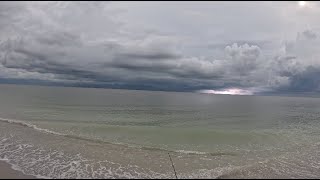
(101, 133)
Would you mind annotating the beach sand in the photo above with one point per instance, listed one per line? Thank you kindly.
(6, 172)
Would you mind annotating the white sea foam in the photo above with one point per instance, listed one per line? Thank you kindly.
(23, 123)
(191, 152)
(17, 168)
(47, 163)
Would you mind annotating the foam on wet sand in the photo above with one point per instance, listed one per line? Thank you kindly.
(6, 172)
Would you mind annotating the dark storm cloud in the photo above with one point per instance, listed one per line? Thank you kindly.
(148, 55)
(307, 81)
(66, 55)
(87, 44)
(286, 66)
(309, 34)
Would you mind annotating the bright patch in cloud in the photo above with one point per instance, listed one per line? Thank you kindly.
(230, 91)
(302, 3)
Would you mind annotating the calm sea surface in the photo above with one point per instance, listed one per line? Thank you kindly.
(59, 132)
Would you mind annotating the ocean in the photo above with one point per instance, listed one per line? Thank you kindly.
(67, 132)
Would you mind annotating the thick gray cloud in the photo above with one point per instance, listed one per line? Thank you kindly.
(243, 59)
(308, 34)
(160, 45)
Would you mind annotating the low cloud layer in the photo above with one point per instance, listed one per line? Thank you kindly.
(93, 44)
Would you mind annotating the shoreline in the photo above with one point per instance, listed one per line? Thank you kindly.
(7, 172)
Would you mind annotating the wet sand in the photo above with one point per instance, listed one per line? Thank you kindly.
(6, 172)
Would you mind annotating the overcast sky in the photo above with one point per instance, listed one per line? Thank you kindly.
(257, 47)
